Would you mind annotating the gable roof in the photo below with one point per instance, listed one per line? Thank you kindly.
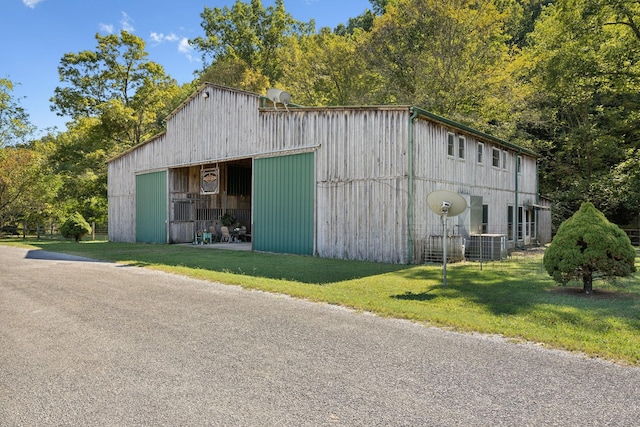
(264, 101)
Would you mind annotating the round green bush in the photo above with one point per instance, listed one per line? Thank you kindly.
(75, 227)
(588, 245)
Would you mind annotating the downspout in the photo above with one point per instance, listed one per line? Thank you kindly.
(536, 211)
(516, 210)
(414, 114)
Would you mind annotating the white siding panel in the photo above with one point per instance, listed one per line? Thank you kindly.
(362, 184)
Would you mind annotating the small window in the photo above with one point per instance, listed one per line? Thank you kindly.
(480, 152)
(450, 144)
(519, 164)
(485, 219)
(496, 158)
(520, 223)
(461, 144)
(510, 222)
(504, 160)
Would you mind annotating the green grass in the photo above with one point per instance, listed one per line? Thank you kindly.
(513, 298)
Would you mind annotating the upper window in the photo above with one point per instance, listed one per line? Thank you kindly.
(451, 144)
(496, 158)
(519, 164)
(504, 160)
(480, 152)
(461, 144)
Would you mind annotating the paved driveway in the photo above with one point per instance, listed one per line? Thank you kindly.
(86, 343)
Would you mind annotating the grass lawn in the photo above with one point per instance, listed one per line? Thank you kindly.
(514, 298)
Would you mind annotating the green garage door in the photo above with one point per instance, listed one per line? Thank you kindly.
(283, 215)
(151, 207)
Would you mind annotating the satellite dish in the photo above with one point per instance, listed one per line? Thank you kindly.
(279, 96)
(444, 202)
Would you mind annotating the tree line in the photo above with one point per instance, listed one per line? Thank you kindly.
(559, 77)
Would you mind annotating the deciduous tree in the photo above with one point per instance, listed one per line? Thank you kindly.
(448, 57)
(27, 185)
(119, 84)
(584, 68)
(14, 120)
(248, 35)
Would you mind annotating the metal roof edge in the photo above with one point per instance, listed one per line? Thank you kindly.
(138, 145)
(296, 107)
(472, 131)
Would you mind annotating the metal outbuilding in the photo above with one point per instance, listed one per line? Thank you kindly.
(336, 182)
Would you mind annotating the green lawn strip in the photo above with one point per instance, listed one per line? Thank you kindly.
(513, 298)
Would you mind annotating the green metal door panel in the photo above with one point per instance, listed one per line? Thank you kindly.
(151, 207)
(283, 217)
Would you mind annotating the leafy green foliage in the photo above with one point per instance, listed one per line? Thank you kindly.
(583, 62)
(14, 121)
(248, 34)
(116, 98)
(448, 57)
(328, 69)
(27, 184)
(75, 227)
(587, 244)
(118, 84)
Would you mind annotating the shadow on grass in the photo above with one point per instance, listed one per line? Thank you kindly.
(519, 290)
(303, 269)
(412, 296)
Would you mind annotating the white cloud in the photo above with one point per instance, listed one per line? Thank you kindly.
(31, 3)
(161, 38)
(185, 48)
(127, 23)
(107, 28)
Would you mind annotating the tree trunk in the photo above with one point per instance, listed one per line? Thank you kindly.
(587, 283)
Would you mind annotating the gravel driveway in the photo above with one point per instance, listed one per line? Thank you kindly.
(86, 343)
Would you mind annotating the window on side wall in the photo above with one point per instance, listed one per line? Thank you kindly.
(520, 223)
(451, 144)
(509, 222)
(519, 164)
(480, 152)
(496, 158)
(461, 144)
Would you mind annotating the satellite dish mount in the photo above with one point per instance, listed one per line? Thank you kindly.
(446, 204)
(278, 96)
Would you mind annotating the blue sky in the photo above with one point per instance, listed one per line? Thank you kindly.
(35, 34)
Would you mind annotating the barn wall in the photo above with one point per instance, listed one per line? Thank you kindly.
(222, 125)
(435, 169)
(122, 187)
(360, 175)
(362, 193)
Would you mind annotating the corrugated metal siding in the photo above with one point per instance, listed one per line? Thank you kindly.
(283, 214)
(151, 207)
